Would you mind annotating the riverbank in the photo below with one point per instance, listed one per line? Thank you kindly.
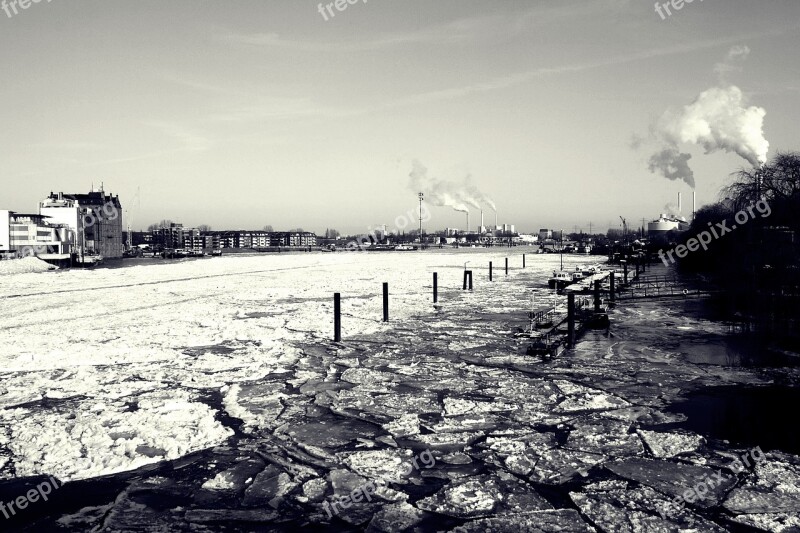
(213, 396)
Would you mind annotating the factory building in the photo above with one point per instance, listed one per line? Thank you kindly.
(95, 219)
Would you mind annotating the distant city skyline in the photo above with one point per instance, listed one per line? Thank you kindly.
(244, 114)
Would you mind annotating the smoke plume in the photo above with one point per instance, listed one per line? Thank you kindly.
(719, 119)
(445, 193)
(673, 165)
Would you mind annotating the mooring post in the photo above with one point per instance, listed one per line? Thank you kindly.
(386, 302)
(337, 317)
(613, 288)
(435, 287)
(597, 296)
(506, 266)
(468, 279)
(523, 260)
(490, 271)
(469, 272)
(571, 319)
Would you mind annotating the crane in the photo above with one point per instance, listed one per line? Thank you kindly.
(624, 229)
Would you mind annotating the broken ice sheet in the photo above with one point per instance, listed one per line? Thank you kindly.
(581, 398)
(463, 406)
(549, 521)
(390, 465)
(558, 465)
(471, 497)
(403, 426)
(771, 494)
(604, 436)
(666, 445)
(395, 517)
(636, 510)
(675, 479)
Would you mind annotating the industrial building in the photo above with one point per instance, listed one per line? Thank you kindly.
(95, 219)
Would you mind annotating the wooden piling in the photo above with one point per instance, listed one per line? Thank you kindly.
(571, 319)
(435, 287)
(523, 260)
(506, 266)
(337, 317)
(468, 279)
(490, 271)
(386, 302)
(597, 296)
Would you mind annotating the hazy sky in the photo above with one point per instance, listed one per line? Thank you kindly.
(240, 113)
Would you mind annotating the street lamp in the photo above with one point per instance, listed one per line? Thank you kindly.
(421, 197)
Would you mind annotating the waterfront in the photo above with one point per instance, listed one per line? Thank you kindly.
(209, 392)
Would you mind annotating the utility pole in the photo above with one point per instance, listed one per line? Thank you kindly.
(421, 197)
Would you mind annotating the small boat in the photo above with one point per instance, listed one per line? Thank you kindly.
(87, 260)
(559, 280)
(404, 248)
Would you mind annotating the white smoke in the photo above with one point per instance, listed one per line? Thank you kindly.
(719, 119)
(446, 193)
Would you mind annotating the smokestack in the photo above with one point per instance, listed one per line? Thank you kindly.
(680, 206)
(467, 221)
(495, 218)
(481, 217)
(694, 203)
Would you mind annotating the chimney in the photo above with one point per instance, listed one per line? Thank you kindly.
(680, 206)
(467, 221)
(694, 203)
(481, 218)
(495, 219)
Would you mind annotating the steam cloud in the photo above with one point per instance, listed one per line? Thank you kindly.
(673, 165)
(718, 120)
(445, 193)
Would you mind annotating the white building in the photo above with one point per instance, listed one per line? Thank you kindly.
(34, 235)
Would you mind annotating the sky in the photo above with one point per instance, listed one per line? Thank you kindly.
(244, 113)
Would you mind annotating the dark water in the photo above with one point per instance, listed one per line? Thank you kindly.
(768, 417)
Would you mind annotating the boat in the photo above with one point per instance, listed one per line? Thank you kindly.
(89, 260)
(559, 280)
(404, 248)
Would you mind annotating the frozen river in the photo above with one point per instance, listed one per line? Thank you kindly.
(207, 394)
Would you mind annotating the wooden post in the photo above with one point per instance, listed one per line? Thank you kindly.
(337, 317)
(435, 287)
(468, 276)
(523, 260)
(613, 288)
(490, 271)
(386, 302)
(506, 266)
(597, 296)
(571, 319)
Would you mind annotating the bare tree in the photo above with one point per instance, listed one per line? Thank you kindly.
(268, 228)
(204, 228)
(163, 224)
